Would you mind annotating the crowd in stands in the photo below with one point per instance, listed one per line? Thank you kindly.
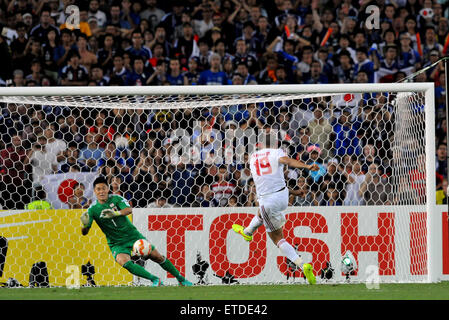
(222, 42)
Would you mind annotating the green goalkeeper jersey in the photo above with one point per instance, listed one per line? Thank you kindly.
(117, 230)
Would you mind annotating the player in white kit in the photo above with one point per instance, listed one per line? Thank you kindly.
(267, 170)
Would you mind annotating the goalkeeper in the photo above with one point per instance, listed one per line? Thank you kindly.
(110, 211)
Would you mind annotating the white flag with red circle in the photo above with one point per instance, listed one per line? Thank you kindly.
(59, 187)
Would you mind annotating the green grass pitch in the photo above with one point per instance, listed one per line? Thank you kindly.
(434, 291)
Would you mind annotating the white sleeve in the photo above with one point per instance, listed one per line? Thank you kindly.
(281, 153)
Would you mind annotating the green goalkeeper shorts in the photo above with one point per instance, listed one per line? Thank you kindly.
(125, 248)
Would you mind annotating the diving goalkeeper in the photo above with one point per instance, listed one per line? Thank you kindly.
(109, 212)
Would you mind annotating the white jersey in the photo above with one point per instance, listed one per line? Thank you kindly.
(267, 172)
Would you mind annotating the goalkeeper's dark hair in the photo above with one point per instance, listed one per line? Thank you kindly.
(100, 179)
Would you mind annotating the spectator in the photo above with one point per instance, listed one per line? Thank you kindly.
(409, 58)
(192, 73)
(50, 66)
(42, 162)
(232, 201)
(152, 13)
(441, 160)
(70, 162)
(223, 188)
(331, 196)
(62, 51)
(97, 76)
(18, 78)
(242, 55)
(204, 54)
(14, 187)
(159, 76)
(368, 157)
(175, 77)
(106, 53)
(317, 176)
(78, 200)
(204, 24)
(355, 180)
(117, 18)
(87, 58)
(40, 31)
(18, 46)
(161, 200)
(251, 198)
(137, 48)
(74, 74)
(33, 52)
(92, 153)
(119, 71)
(301, 195)
(204, 198)
(146, 176)
(220, 48)
(316, 74)
(160, 37)
(268, 74)
(185, 46)
(364, 64)
(336, 175)
(36, 74)
(387, 66)
(320, 130)
(345, 70)
(213, 76)
(430, 42)
(180, 184)
(94, 11)
(346, 140)
(173, 19)
(375, 190)
(247, 78)
(138, 77)
(54, 145)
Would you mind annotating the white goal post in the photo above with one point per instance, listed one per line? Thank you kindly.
(406, 232)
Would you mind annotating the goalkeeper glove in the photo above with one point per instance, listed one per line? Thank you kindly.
(85, 219)
(109, 213)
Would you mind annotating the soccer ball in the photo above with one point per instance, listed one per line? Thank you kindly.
(141, 248)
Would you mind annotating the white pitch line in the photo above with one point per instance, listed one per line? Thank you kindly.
(17, 238)
(7, 225)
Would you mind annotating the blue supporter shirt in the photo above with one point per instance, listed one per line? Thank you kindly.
(143, 52)
(213, 78)
(368, 67)
(175, 81)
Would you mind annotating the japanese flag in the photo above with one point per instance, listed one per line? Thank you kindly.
(59, 187)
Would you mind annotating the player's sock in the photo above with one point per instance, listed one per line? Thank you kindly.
(255, 223)
(288, 251)
(169, 267)
(139, 271)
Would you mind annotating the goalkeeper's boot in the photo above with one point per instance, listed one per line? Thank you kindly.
(308, 273)
(185, 283)
(157, 283)
(239, 229)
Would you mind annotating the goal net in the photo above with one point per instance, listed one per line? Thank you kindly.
(179, 155)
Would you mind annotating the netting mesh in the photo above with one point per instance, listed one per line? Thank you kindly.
(192, 151)
(197, 151)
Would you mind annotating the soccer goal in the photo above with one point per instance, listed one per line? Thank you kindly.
(179, 156)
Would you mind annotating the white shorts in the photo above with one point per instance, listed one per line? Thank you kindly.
(272, 207)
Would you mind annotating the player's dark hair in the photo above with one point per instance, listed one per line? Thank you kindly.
(99, 180)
